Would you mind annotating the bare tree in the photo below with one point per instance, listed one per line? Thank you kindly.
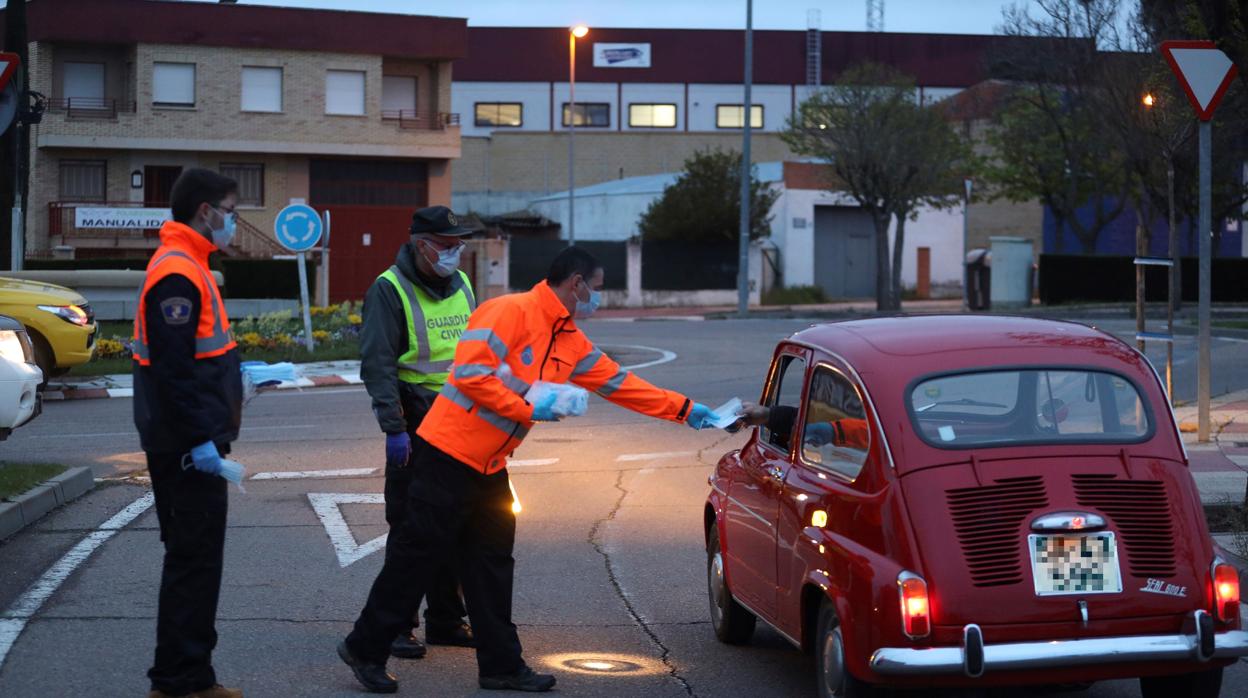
(886, 151)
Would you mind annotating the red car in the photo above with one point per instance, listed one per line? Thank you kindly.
(970, 501)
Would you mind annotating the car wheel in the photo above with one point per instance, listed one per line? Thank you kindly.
(733, 624)
(44, 357)
(1198, 684)
(831, 674)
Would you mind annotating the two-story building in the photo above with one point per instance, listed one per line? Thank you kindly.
(348, 111)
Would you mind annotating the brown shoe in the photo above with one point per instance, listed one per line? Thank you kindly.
(217, 691)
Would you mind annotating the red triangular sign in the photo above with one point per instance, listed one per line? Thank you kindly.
(1204, 72)
(8, 66)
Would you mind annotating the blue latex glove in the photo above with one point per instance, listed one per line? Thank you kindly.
(544, 411)
(700, 416)
(819, 434)
(398, 449)
(206, 458)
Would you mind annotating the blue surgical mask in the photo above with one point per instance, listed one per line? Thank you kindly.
(223, 236)
(586, 308)
(448, 260)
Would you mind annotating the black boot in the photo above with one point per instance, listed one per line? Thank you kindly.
(524, 680)
(407, 646)
(373, 677)
(456, 635)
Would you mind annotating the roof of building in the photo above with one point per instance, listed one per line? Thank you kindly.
(530, 54)
(768, 172)
(245, 26)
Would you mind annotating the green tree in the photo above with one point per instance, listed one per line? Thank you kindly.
(704, 203)
(887, 152)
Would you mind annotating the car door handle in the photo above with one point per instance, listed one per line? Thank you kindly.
(776, 473)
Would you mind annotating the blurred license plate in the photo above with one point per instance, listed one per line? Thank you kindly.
(1081, 563)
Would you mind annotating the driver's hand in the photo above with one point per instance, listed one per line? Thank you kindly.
(754, 415)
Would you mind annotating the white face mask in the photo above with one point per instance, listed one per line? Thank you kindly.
(223, 236)
(448, 260)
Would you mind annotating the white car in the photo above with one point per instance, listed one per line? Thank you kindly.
(20, 377)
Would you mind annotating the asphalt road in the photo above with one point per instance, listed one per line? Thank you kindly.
(610, 561)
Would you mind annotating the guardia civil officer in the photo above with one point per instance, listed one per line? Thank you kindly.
(460, 499)
(187, 406)
(413, 316)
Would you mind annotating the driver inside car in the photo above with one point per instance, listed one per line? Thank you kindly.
(848, 432)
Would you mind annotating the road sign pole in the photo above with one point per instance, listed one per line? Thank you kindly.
(1206, 268)
(322, 282)
(743, 243)
(303, 296)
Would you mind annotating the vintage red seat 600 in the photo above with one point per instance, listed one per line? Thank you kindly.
(970, 501)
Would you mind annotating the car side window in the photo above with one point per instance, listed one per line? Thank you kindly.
(786, 390)
(837, 435)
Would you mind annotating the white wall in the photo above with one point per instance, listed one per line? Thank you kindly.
(598, 217)
(777, 102)
(535, 96)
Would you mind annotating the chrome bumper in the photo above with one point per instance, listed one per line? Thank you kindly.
(974, 657)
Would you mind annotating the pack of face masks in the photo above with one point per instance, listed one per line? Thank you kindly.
(258, 375)
(726, 414)
(570, 401)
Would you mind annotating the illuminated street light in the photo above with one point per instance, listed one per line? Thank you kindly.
(579, 31)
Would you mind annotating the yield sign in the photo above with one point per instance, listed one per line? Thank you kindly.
(1204, 72)
(327, 510)
(8, 66)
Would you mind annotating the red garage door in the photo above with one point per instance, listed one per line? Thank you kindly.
(370, 204)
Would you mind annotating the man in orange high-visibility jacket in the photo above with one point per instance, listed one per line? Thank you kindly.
(187, 406)
(460, 494)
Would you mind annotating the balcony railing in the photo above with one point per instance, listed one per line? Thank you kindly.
(90, 107)
(420, 120)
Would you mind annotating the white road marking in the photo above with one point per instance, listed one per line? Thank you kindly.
(664, 356)
(633, 457)
(309, 474)
(135, 433)
(14, 620)
(326, 506)
(310, 393)
(532, 462)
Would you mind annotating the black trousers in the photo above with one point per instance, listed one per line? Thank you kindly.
(191, 506)
(446, 609)
(453, 512)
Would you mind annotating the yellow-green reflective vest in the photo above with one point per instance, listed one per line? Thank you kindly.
(433, 328)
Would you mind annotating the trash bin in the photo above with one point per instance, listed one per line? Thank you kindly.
(1012, 271)
(978, 279)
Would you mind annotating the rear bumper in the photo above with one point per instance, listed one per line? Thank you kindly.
(974, 657)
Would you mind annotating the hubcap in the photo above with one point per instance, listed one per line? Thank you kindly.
(833, 663)
(718, 588)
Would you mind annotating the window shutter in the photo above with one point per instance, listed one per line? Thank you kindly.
(344, 92)
(173, 83)
(262, 89)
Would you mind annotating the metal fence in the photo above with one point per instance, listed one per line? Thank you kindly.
(685, 266)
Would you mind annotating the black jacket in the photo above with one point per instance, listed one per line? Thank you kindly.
(180, 401)
(399, 406)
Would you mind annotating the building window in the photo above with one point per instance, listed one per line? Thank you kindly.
(590, 114)
(84, 180)
(498, 114)
(173, 84)
(250, 178)
(652, 116)
(262, 89)
(729, 116)
(344, 92)
(83, 85)
(398, 96)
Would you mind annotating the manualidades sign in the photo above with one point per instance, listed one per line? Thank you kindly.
(120, 218)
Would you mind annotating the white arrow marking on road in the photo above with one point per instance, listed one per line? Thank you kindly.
(632, 457)
(664, 356)
(309, 474)
(14, 620)
(327, 510)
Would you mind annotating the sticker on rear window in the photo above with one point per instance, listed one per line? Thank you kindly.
(946, 433)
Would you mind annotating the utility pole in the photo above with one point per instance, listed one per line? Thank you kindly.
(743, 247)
(15, 145)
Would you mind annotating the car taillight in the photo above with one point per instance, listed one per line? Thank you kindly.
(915, 608)
(1225, 592)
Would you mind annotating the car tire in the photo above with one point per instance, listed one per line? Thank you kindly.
(43, 357)
(732, 623)
(1198, 684)
(832, 677)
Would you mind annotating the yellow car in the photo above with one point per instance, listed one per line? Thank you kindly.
(60, 322)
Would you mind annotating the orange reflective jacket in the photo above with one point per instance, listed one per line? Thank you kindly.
(184, 251)
(481, 415)
(851, 432)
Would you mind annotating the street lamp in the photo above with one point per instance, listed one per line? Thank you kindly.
(577, 32)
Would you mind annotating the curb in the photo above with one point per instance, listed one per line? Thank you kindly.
(327, 381)
(22, 510)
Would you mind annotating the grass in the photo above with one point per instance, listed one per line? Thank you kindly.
(795, 295)
(1231, 324)
(16, 478)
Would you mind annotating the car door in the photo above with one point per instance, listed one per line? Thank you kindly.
(754, 491)
(829, 474)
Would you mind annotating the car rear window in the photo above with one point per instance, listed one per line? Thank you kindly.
(1028, 406)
